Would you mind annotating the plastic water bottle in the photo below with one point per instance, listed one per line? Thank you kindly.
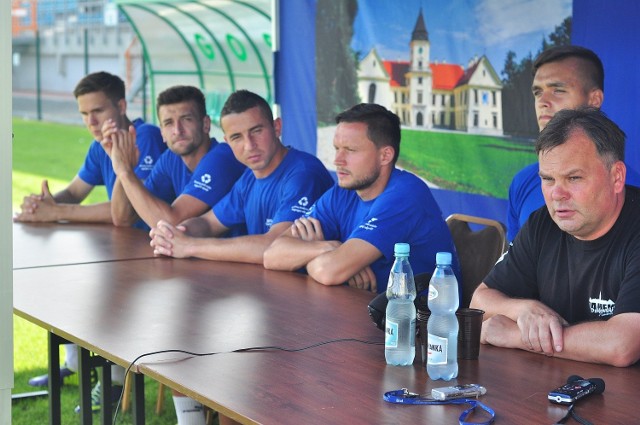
(442, 327)
(400, 339)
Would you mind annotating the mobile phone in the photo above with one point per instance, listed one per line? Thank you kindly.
(573, 391)
(458, 391)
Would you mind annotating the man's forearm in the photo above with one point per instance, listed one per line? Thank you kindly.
(613, 342)
(290, 253)
(148, 207)
(66, 197)
(122, 212)
(495, 302)
(94, 213)
(243, 249)
(337, 266)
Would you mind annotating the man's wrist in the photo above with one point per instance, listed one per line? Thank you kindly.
(126, 174)
(61, 212)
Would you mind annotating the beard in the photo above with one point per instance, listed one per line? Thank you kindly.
(184, 149)
(361, 183)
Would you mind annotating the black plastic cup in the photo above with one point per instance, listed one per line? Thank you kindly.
(470, 324)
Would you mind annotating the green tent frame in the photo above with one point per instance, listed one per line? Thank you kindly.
(217, 45)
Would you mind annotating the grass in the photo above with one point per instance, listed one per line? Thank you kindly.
(55, 152)
(466, 163)
(48, 151)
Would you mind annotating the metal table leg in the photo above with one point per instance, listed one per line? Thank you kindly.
(53, 343)
(84, 382)
(138, 399)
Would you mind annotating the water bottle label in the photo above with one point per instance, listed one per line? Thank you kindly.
(437, 351)
(433, 292)
(391, 337)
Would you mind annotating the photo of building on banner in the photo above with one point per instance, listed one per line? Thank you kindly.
(458, 74)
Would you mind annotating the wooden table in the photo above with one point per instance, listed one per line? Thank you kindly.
(123, 309)
(51, 244)
(42, 245)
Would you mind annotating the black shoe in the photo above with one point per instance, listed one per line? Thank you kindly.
(116, 390)
(43, 380)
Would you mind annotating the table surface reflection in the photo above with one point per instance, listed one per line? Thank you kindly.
(52, 244)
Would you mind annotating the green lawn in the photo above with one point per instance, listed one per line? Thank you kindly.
(55, 152)
(462, 162)
(48, 151)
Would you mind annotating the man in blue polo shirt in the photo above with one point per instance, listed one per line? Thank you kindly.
(100, 97)
(350, 233)
(280, 185)
(190, 177)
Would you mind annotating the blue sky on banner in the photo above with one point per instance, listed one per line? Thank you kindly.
(458, 29)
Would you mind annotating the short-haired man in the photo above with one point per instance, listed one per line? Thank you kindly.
(190, 177)
(350, 233)
(569, 286)
(100, 97)
(279, 186)
(564, 77)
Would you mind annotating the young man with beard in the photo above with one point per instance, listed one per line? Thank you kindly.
(190, 177)
(279, 185)
(350, 233)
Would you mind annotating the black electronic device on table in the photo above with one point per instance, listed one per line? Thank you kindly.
(575, 389)
(378, 306)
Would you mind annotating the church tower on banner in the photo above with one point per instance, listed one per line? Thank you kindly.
(434, 95)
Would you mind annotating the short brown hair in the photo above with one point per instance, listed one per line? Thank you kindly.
(242, 100)
(179, 94)
(111, 85)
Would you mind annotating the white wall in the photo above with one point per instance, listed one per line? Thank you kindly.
(6, 259)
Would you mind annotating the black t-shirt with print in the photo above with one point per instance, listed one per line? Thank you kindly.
(581, 280)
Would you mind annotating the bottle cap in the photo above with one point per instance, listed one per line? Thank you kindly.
(401, 249)
(443, 258)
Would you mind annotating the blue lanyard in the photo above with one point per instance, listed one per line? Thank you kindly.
(403, 396)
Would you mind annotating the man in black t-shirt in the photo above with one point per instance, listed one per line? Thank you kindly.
(569, 286)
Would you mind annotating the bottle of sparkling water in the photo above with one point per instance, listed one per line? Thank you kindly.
(442, 327)
(400, 339)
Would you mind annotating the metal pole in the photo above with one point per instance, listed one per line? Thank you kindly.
(86, 51)
(144, 89)
(38, 86)
(6, 253)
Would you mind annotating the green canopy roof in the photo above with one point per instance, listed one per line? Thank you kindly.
(217, 45)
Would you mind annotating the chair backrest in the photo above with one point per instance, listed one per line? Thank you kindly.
(478, 250)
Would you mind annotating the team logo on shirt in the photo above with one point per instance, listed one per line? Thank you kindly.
(601, 307)
(268, 222)
(146, 163)
(203, 183)
(301, 206)
(369, 225)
